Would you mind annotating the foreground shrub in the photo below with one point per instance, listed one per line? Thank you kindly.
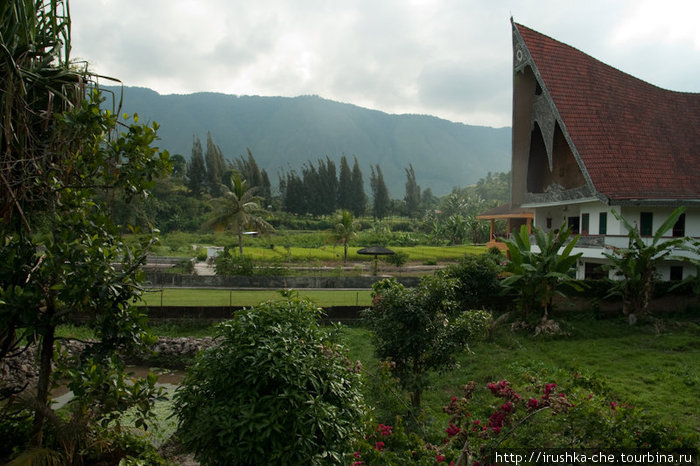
(538, 415)
(478, 279)
(421, 329)
(277, 390)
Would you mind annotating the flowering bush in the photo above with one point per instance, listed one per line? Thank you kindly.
(540, 415)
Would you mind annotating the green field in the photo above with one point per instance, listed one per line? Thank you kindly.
(219, 297)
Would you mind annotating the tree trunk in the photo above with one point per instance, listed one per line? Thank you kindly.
(240, 242)
(42, 392)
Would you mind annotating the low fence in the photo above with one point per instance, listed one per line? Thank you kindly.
(184, 314)
(166, 280)
(348, 314)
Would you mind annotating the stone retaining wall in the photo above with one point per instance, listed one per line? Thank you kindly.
(21, 370)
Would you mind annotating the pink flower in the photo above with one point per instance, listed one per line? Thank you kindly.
(379, 446)
(452, 430)
(533, 403)
(613, 406)
(439, 458)
(356, 455)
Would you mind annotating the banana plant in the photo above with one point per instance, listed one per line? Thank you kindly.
(635, 266)
(537, 276)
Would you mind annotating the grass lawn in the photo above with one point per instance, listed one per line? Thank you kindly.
(219, 297)
(655, 369)
(653, 365)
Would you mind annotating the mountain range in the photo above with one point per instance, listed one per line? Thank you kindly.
(284, 133)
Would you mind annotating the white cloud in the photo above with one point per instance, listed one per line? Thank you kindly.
(451, 59)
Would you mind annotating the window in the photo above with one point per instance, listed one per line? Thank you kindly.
(646, 223)
(585, 220)
(594, 271)
(603, 223)
(679, 227)
(573, 223)
(549, 223)
(676, 273)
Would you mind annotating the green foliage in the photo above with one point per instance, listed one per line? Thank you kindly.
(229, 262)
(239, 209)
(635, 266)
(65, 159)
(421, 329)
(345, 229)
(397, 259)
(380, 194)
(277, 390)
(201, 254)
(412, 197)
(478, 279)
(537, 276)
(196, 170)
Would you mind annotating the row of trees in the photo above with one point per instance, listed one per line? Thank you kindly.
(318, 188)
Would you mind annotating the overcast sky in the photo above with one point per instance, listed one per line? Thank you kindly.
(448, 58)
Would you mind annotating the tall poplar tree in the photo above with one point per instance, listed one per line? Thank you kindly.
(380, 193)
(196, 170)
(412, 197)
(328, 185)
(344, 185)
(216, 167)
(358, 198)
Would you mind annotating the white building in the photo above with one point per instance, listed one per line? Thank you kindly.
(589, 139)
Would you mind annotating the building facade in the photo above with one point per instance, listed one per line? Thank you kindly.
(589, 139)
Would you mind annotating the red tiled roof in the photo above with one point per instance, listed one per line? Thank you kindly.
(636, 140)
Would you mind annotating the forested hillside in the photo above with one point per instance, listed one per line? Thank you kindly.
(285, 133)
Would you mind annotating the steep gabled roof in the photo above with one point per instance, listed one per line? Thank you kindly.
(636, 140)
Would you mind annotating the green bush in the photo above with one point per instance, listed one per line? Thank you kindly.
(420, 329)
(229, 262)
(201, 254)
(398, 259)
(277, 390)
(478, 280)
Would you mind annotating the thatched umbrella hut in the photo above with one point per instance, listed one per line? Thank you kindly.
(376, 251)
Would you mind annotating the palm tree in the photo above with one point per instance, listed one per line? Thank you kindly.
(345, 229)
(239, 209)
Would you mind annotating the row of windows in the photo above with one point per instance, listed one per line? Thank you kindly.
(646, 222)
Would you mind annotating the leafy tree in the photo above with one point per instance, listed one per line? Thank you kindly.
(196, 170)
(358, 198)
(239, 209)
(60, 150)
(412, 197)
(345, 229)
(635, 266)
(276, 390)
(421, 329)
(179, 165)
(537, 276)
(380, 193)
